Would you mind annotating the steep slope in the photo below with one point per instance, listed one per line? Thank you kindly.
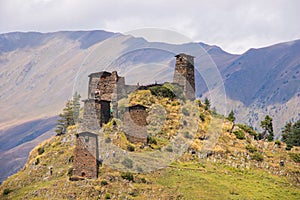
(265, 81)
(230, 171)
(17, 142)
(268, 75)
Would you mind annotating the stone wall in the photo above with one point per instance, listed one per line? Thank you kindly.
(91, 115)
(93, 82)
(135, 124)
(184, 74)
(110, 86)
(85, 155)
(104, 91)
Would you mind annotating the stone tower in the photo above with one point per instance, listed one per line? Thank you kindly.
(86, 155)
(135, 123)
(105, 89)
(184, 74)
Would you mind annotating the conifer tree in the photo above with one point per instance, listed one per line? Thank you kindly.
(231, 116)
(291, 134)
(206, 104)
(267, 125)
(69, 115)
(76, 106)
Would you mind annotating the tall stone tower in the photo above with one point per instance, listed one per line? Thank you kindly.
(105, 89)
(184, 74)
(85, 155)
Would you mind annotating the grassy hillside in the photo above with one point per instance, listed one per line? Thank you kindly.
(194, 179)
(218, 165)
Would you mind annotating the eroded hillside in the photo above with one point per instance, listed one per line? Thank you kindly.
(221, 162)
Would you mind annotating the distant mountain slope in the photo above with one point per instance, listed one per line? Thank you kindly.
(16, 143)
(269, 75)
(19, 40)
(40, 71)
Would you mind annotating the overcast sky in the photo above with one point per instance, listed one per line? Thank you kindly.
(234, 25)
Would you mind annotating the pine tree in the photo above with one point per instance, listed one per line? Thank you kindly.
(291, 134)
(231, 116)
(286, 132)
(207, 104)
(76, 106)
(69, 115)
(267, 125)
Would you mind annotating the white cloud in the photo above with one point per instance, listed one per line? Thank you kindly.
(233, 24)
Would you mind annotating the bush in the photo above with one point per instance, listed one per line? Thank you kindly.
(169, 149)
(107, 140)
(143, 180)
(295, 157)
(127, 162)
(107, 196)
(175, 89)
(41, 150)
(239, 134)
(151, 140)
(277, 142)
(289, 147)
(139, 169)
(162, 91)
(104, 182)
(128, 176)
(70, 171)
(6, 191)
(248, 129)
(37, 161)
(251, 148)
(71, 159)
(199, 102)
(187, 135)
(258, 157)
(202, 117)
(185, 112)
(130, 148)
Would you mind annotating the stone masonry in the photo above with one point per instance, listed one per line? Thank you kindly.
(104, 91)
(184, 74)
(135, 124)
(85, 155)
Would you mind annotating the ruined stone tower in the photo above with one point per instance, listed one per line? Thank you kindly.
(184, 74)
(85, 155)
(135, 123)
(105, 89)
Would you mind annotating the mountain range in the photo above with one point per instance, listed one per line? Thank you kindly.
(40, 71)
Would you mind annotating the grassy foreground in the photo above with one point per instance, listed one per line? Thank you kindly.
(199, 179)
(218, 181)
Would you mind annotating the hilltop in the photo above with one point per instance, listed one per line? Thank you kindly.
(219, 163)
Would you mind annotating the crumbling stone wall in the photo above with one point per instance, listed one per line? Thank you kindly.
(85, 155)
(108, 86)
(135, 124)
(184, 74)
(104, 91)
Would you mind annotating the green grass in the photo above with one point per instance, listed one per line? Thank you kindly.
(215, 181)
